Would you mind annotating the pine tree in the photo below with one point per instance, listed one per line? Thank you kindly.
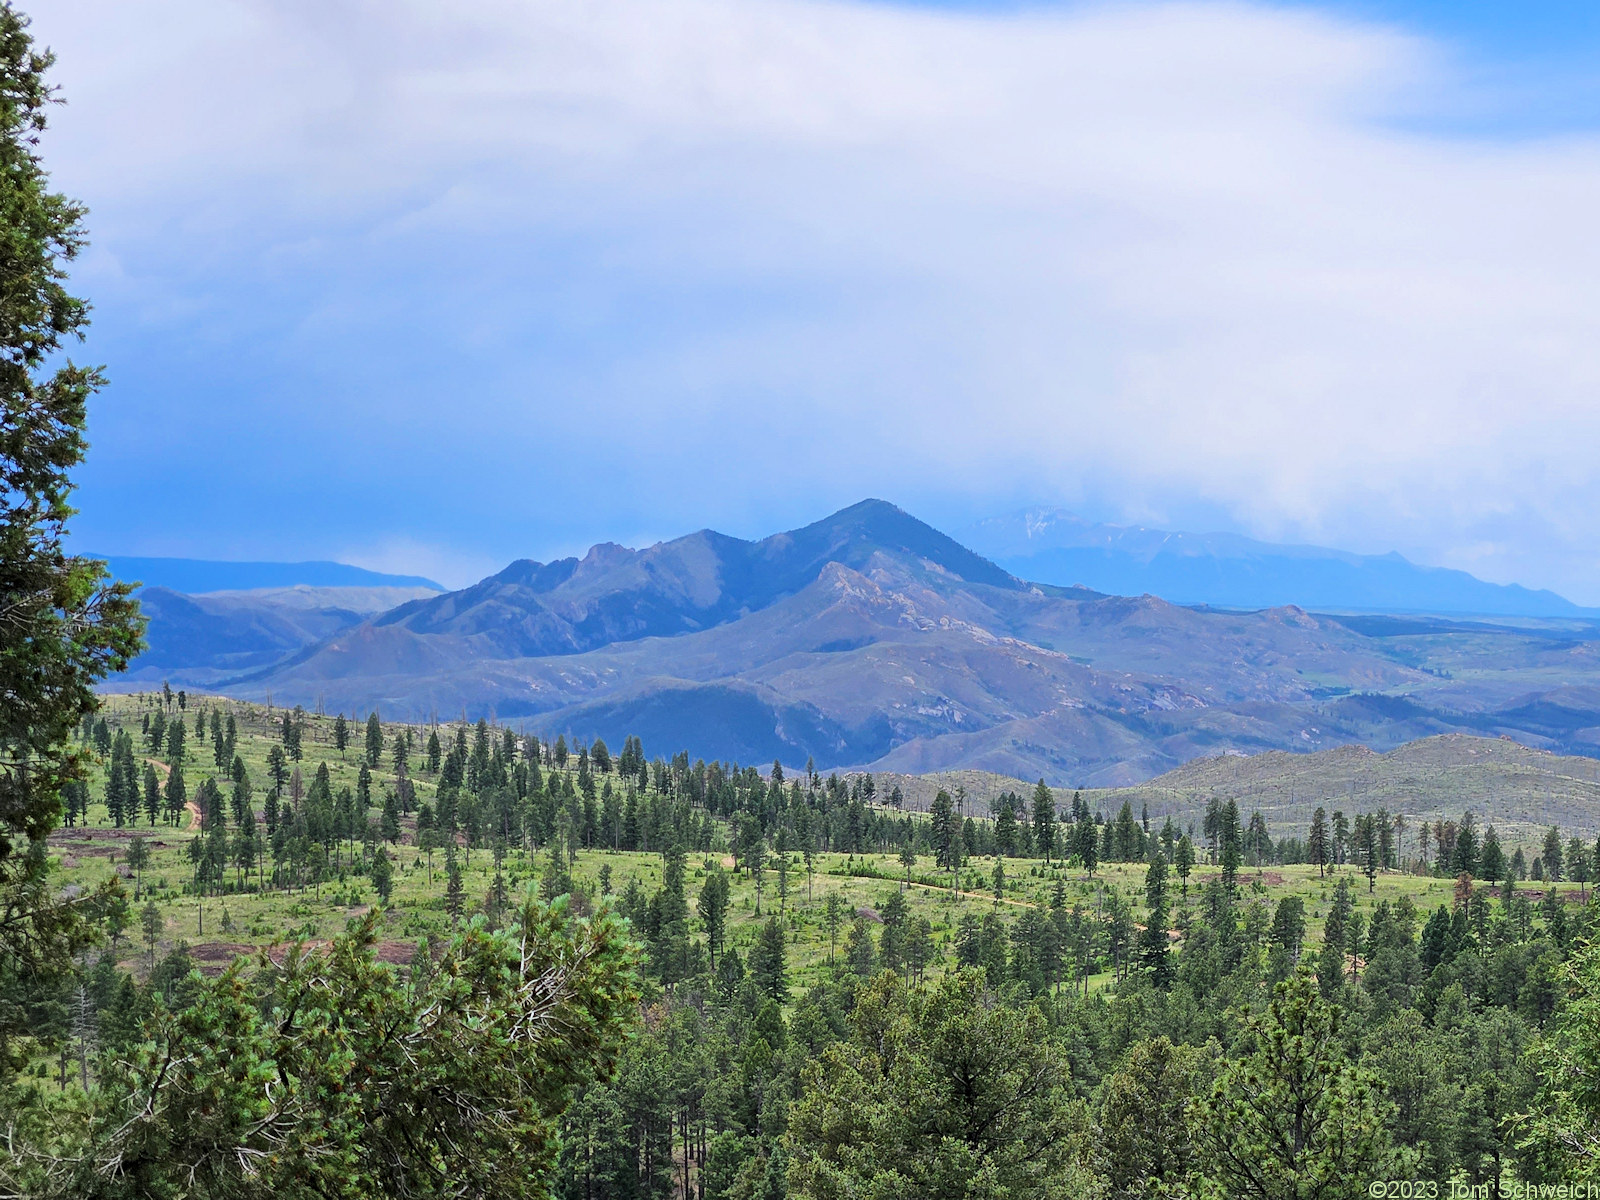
(1184, 861)
(117, 797)
(1229, 836)
(374, 740)
(1551, 855)
(1005, 826)
(942, 819)
(1044, 821)
(138, 859)
(713, 909)
(1492, 858)
(1088, 844)
(1330, 961)
(152, 793)
(341, 734)
(454, 891)
(1317, 843)
(768, 962)
(382, 874)
(1367, 847)
(1154, 953)
(66, 626)
(1295, 1117)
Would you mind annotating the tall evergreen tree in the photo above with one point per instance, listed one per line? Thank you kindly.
(1184, 861)
(769, 962)
(713, 909)
(1317, 842)
(1154, 953)
(1044, 821)
(1295, 1118)
(374, 740)
(66, 625)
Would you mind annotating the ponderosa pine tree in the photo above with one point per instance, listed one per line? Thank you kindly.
(506, 1024)
(939, 1093)
(1184, 862)
(713, 909)
(769, 962)
(1154, 951)
(374, 740)
(1044, 821)
(1492, 858)
(1295, 1118)
(1088, 847)
(1143, 1136)
(1317, 842)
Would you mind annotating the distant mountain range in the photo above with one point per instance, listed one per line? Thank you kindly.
(1230, 571)
(870, 639)
(201, 639)
(198, 575)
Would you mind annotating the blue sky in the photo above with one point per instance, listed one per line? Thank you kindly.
(431, 287)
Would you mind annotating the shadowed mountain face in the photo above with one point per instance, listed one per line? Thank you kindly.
(870, 639)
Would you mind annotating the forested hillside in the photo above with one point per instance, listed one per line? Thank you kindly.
(836, 997)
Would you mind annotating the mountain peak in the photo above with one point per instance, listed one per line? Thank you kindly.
(853, 535)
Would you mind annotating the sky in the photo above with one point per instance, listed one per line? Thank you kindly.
(430, 287)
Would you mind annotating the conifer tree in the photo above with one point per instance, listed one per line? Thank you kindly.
(713, 909)
(1044, 821)
(177, 794)
(1154, 953)
(374, 740)
(1330, 960)
(152, 793)
(382, 874)
(66, 626)
(1184, 862)
(454, 890)
(1317, 843)
(1295, 1117)
(769, 962)
(1088, 843)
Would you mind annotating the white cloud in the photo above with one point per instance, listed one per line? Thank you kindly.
(1178, 255)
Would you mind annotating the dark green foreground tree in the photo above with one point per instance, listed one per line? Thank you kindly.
(940, 1094)
(63, 626)
(1296, 1119)
(330, 1075)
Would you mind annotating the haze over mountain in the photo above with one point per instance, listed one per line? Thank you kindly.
(1229, 570)
(200, 575)
(200, 639)
(869, 638)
